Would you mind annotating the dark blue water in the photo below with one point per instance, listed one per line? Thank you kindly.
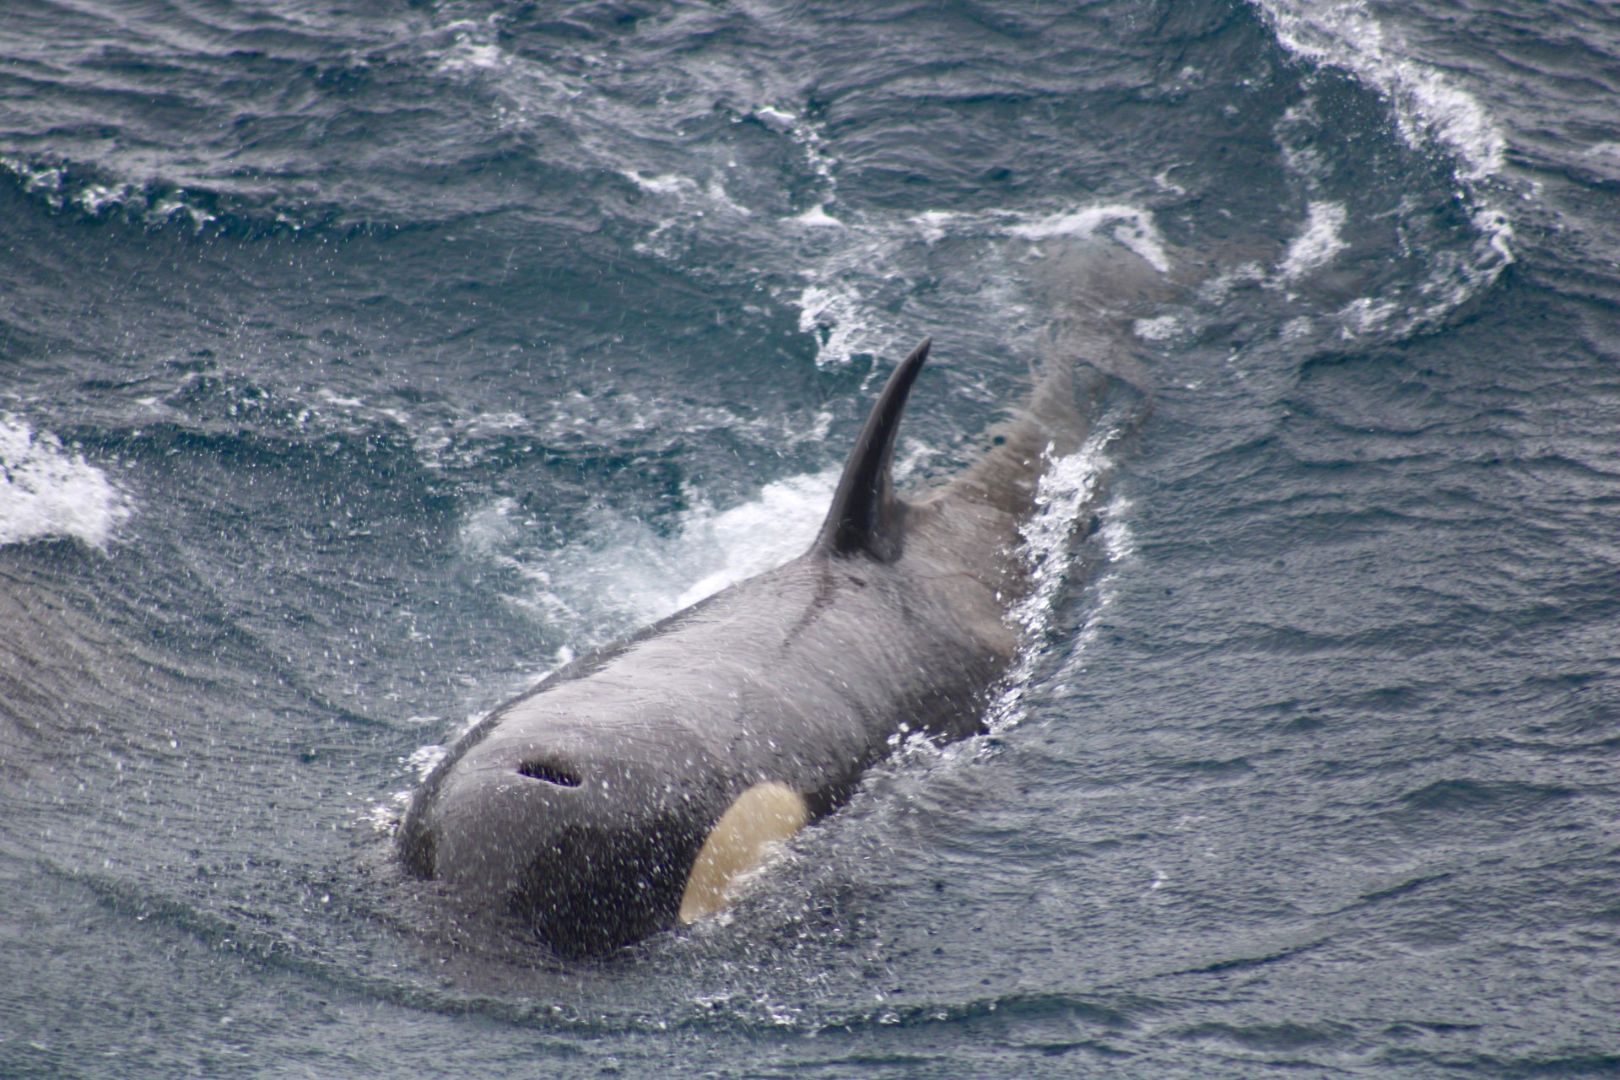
(360, 362)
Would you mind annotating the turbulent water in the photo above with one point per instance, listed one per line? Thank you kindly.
(362, 361)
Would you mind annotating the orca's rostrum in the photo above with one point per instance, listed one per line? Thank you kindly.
(622, 794)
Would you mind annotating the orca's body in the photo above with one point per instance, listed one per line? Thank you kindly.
(623, 793)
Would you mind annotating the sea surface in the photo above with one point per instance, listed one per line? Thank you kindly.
(362, 361)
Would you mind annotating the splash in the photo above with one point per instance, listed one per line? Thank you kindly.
(1067, 490)
(630, 574)
(47, 490)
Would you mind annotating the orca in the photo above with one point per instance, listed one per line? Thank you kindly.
(624, 794)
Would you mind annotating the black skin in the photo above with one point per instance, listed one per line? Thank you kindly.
(580, 806)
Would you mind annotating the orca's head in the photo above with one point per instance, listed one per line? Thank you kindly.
(592, 834)
(589, 840)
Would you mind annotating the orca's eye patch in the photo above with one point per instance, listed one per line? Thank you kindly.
(549, 771)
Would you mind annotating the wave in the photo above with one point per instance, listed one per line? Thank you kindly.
(1432, 116)
(1429, 110)
(91, 192)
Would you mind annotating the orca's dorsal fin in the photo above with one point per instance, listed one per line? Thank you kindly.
(865, 514)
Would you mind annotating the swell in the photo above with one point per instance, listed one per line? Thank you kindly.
(247, 122)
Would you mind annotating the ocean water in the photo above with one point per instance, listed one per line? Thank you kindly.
(362, 361)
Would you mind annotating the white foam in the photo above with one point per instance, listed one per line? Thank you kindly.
(39, 179)
(719, 196)
(1162, 180)
(96, 198)
(1133, 227)
(1427, 106)
(756, 536)
(50, 183)
(384, 816)
(1119, 544)
(1158, 328)
(858, 268)
(1430, 113)
(713, 549)
(628, 574)
(1218, 289)
(1366, 315)
(1497, 230)
(424, 759)
(687, 203)
(775, 118)
(662, 184)
(934, 224)
(817, 218)
(836, 314)
(333, 397)
(1067, 489)
(1318, 242)
(47, 490)
(470, 48)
